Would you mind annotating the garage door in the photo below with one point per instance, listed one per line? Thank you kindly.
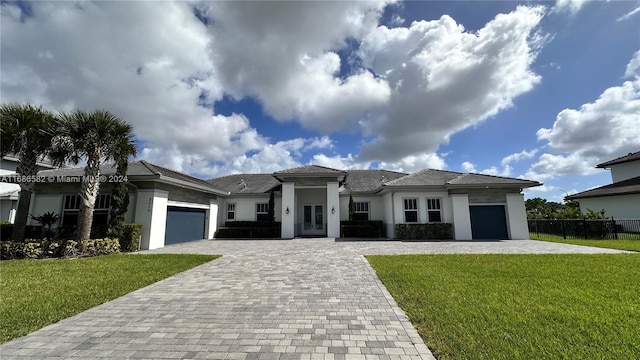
(184, 224)
(488, 222)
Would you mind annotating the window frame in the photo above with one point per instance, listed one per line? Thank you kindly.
(416, 210)
(264, 213)
(231, 211)
(102, 206)
(357, 211)
(430, 210)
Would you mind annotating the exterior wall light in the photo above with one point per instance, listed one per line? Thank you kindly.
(287, 210)
(333, 210)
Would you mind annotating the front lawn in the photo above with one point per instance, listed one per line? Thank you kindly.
(630, 245)
(519, 306)
(36, 293)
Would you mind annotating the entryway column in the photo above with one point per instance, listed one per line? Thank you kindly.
(151, 212)
(461, 217)
(333, 210)
(288, 211)
(212, 219)
(517, 217)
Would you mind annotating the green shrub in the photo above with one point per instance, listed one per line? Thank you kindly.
(430, 231)
(251, 224)
(40, 249)
(362, 229)
(247, 232)
(130, 237)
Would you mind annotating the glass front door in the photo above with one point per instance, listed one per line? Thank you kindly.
(313, 223)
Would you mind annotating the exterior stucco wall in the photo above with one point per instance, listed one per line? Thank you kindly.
(445, 204)
(387, 203)
(619, 207)
(246, 207)
(42, 203)
(625, 171)
(461, 217)
(8, 209)
(516, 213)
(376, 206)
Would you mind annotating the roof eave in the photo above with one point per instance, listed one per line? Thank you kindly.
(172, 181)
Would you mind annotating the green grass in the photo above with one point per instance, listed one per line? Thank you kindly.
(35, 293)
(519, 306)
(631, 245)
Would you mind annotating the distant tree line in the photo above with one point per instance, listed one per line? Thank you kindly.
(538, 208)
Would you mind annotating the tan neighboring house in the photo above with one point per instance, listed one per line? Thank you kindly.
(621, 198)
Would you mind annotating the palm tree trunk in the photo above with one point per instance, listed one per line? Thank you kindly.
(88, 193)
(28, 168)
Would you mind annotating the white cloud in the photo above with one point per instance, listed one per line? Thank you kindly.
(413, 163)
(339, 162)
(519, 156)
(629, 14)
(283, 54)
(633, 67)
(468, 167)
(444, 79)
(570, 6)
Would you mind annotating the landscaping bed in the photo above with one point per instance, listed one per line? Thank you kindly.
(519, 306)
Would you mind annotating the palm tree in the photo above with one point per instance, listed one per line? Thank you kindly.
(21, 133)
(95, 137)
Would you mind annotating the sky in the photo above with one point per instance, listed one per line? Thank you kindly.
(536, 90)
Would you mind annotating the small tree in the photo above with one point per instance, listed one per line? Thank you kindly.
(271, 214)
(119, 200)
(352, 209)
(47, 220)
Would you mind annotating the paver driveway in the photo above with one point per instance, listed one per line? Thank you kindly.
(295, 299)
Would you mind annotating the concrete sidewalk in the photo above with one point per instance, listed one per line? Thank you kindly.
(281, 299)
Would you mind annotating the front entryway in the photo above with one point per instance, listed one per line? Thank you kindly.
(313, 220)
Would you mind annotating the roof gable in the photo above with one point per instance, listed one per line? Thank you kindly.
(245, 183)
(623, 159)
(426, 177)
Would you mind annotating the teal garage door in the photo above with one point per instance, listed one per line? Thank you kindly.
(488, 222)
(184, 224)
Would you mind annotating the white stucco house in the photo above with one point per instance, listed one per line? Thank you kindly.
(621, 198)
(309, 201)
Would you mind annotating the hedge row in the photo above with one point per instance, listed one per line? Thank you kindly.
(130, 239)
(362, 229)
(61, 232)
(41, 249)
(431, 231)
(252, 224)
(247, 232)
(31, 231)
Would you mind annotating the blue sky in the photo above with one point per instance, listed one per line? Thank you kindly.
(538, 90)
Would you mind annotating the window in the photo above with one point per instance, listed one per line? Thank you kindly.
(434, 211)
(361, 211)
(262, 212)
(71, 210)
(231, 211)
(410, 210)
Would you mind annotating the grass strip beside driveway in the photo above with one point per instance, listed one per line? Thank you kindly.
(519, 306)
(629, 245)
(36, 293)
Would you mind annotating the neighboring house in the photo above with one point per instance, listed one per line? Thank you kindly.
(309, 201)
(9, 165)
(621, 199)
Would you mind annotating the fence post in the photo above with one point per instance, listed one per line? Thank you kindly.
(564, 233)
(537, 231)
(584, 228)
(615, 231)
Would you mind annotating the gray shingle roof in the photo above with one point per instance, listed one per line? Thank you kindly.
(431, 177)
(311, 169)
(140, 168)
(629, 186)
(369, 180)
(426, 177)
(481, 179)
(623, 159)
(245, 183)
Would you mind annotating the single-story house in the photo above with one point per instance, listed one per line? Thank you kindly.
(309, 201)
(621, 198)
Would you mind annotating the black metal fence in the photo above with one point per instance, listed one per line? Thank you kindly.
(607, 229)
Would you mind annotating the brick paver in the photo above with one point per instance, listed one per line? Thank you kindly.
(271, 299)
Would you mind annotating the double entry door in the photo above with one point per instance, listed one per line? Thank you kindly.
(313, 220)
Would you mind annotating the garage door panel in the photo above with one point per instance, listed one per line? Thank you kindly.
(184, 224)
(488, 222)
